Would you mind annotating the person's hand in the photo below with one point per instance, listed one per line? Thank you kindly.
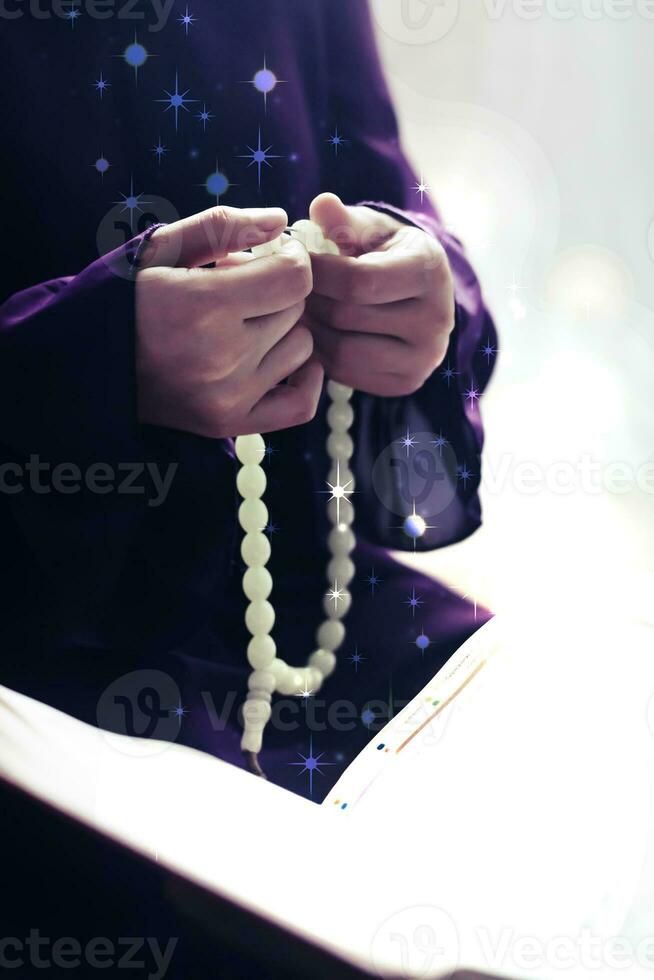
(382, 312)
(214, 345)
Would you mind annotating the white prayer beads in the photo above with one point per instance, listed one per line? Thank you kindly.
(270, 674)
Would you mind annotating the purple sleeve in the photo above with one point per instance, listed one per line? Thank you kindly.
(372, 169)
(67, 387)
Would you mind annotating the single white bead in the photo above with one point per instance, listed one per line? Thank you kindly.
(340, 511)
(251, 481)
(255, 549)
(261, 653)
(291, 683)
(253, 514)
(250, 449)
(337, 608)
(262, 680)
(338, 392)
(252, 740)
(324, 661)
(256, 713)
(341, 570)
(259, 617)
(340, 416)
(330, 635)
(340, 445)
(341, 540)
(330, 248)
(310, 234)
(279, 668)
(268, 248)
(313, 679)
(257, 583)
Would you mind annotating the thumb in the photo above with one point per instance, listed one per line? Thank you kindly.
(212, 234)
(355, 229)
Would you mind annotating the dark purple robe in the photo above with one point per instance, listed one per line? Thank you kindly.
(98, 585)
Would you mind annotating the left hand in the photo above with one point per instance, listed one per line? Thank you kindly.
(382, 312)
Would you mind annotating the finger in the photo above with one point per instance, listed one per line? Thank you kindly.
(344, 351)
(209, 235)
(388, 276)
(286, 357)
(404, 319)
(268, 284)
(266, 331)
(291, 404)
(355, 229)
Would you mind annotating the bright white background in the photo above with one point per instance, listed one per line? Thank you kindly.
(532, 127)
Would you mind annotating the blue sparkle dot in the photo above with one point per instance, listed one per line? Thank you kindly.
(311, 763)
(265, 80)
(422, 642)
(101, 165)
(380, 746)
(135, 55)
(414, 526)
(217, 184)
(259, 156)
(131, 202)
(176, 100)
(367, 716)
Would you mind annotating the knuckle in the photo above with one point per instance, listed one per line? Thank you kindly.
(299, 279)
(217, 226)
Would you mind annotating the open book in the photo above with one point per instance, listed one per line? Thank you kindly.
(502, 821)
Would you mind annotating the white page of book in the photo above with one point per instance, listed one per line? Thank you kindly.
(523, 813)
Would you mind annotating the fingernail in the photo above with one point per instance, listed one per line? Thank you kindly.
(267, 219)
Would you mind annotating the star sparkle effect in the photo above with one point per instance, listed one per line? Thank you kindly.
(259, 156)
(186, 20)
(102, 165)
(179, 712)
(373, 581)
(159, 150)
(472, 394)
(423, 642)
(448, 373)
(205, 116)
(356, 659)
(132, 202)
(270, 451)
(439, 443)
(270, 529)
(176, 100)
(101, 85)
(73, 14)
(336, 595)
(413, 601)
(488, 350)
(217, 183)
(338, 491)
(337, 140)
(408, 442)
(265, 82)
(464, 474)
(415, 525)
(310, 764)
(421, 188)
(135, 55)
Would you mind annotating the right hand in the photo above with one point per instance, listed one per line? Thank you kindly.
(214, 345)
